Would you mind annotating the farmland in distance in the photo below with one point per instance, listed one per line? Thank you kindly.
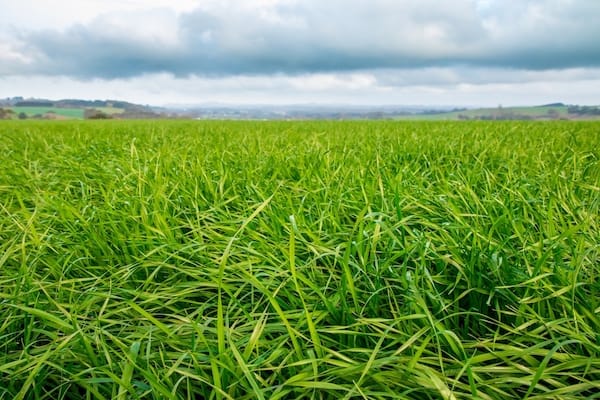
(278, 260)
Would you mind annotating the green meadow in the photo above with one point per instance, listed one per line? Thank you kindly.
(299, 260)
(70, 113)
(507, 113)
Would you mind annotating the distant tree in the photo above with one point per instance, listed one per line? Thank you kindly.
(34, 103)
(6, 113)
(22, 115)
(92, 113)
(584, 110)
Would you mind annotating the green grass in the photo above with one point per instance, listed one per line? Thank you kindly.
(73, 113)
(282, 260)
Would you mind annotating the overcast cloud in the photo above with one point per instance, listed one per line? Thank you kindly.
(387, 51)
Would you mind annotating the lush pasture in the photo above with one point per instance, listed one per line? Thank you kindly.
(281, 260)
(72, 113)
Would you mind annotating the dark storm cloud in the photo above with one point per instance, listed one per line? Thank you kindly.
(311, 36)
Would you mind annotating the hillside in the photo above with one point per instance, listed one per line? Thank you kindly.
(555, 111)
(20, 108)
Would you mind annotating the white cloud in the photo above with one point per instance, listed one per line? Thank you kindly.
(261, 37)
(303, 50)
(36, 14)
(159, 28)
(439, 86)
(11, 58)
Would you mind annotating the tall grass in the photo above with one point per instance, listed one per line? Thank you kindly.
(280, 260)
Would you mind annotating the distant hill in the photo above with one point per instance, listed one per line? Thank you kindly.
(75, 103)
(554, 105)
(554, 111)
(33, 108)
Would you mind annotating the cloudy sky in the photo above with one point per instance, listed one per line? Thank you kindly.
(431, 52)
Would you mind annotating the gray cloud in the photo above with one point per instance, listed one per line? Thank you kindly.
(311, 36)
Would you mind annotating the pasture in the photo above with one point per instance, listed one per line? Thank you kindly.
(70, 113)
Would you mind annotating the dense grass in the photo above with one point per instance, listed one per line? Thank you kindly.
(326, 260)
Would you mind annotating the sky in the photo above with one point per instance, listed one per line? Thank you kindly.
(361, 52)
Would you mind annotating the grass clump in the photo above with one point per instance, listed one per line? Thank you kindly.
(278, 260)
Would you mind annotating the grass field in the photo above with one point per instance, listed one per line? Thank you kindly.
(515, 113)
(110, 110)
(72, 113)
(282, 260)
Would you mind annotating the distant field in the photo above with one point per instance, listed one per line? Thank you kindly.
(293, 260)
(110, 110)
(549, 112)
(73, 113)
